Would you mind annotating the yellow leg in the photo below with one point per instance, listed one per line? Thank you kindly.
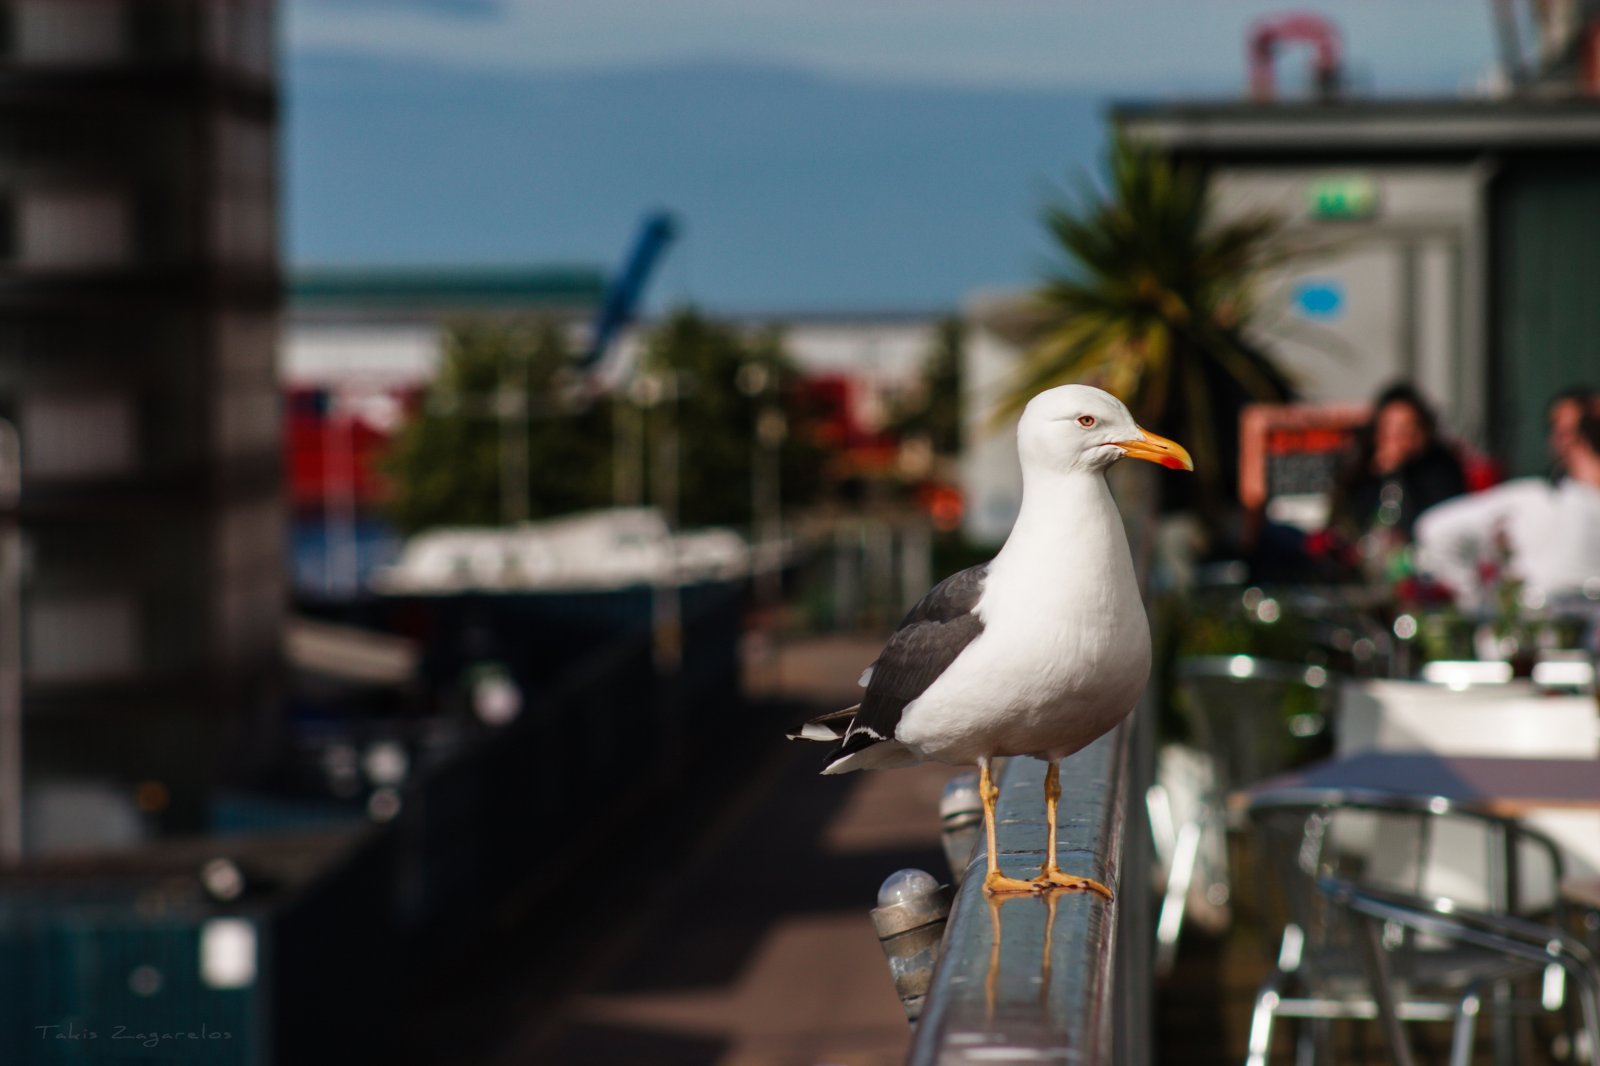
(991, 978)
(994, 882)
(1050, 875)
(1050, 901)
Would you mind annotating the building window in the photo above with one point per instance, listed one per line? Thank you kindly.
(240, 35)
(51, 32)
(70, 436)
(82, 638)
(247, 421)
(248, 348)
(243, 227)
(72, 228)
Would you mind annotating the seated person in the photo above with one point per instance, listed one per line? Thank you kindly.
(1401, 468)
(1548, 533)
(1565, 411)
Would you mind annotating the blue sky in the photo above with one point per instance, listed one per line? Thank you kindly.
(824, 155)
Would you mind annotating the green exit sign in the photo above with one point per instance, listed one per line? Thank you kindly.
(1348, 197)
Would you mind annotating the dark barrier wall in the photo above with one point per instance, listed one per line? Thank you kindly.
(343, 936)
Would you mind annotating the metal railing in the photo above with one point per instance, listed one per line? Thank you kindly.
(1061, 977)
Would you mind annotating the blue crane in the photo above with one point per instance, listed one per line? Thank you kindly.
(622, 296)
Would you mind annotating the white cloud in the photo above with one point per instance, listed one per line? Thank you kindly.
(1128, 46)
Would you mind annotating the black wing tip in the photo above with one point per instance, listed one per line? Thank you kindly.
(860, 740)
(831, 727)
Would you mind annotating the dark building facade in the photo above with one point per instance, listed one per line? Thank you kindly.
(139, 291)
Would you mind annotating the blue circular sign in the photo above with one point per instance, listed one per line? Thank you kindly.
(1321, 298)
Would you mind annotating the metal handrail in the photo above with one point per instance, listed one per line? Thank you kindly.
(1037, 978)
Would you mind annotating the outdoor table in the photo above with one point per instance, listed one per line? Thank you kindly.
(1508, 787)
(1511, 719)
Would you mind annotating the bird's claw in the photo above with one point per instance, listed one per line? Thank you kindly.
(1051, 878)
(1048, 881)
(998, 885)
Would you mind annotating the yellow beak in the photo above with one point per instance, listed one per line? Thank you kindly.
(1158, 449)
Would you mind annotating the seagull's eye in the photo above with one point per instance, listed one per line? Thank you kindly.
(1086, 421)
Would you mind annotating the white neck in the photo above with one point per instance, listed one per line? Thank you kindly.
(1063, 509)
(1068, 525)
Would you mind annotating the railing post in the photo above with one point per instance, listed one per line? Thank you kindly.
(12, 784)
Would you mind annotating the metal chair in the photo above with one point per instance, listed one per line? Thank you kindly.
(1391, 921)
(1237, 708)
(1367, 935)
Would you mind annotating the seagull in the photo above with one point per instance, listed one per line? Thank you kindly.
(1037, 652)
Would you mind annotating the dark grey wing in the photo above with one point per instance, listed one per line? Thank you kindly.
(928, 640)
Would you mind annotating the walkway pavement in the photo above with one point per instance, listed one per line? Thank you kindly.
(762, 953)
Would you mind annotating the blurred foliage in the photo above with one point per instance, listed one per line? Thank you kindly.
(447, 466)
(447, 462)
(717, 368)
(935, 413)
(953, 552)
(1153, 304)
(1233, 622)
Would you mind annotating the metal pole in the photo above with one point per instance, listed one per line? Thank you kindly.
(627, 460)
(759, 381)
(1509, 39)
(330, 532)
(772, 430)
(513, 417)
(878, 552)
(668, 608)
(916, 562)
(339, 519)
(10, 647)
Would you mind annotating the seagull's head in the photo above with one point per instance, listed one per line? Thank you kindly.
(1078, 427)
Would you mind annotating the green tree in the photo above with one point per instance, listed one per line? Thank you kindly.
(725, 379)
(503, 433)
(1152, 303)
(936, 414)
(507, 431)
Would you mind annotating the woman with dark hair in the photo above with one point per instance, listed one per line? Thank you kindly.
(1400, 468)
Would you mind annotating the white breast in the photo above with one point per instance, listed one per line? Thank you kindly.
(1064, 656)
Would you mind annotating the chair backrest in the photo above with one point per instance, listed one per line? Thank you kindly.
(1254, 717)
(1419, 846)
(1395, 919)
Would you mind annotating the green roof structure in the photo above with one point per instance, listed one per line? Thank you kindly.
(425, 290)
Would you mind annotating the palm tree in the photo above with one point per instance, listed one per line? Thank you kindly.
(1152, 304)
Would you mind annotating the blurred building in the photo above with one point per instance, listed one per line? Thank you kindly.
(362, 345)
(1453, 242)
(1457, 245)
(359, 349)
(138, 226)
(1000, 328)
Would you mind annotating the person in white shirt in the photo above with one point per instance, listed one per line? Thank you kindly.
(1550, 531)
(1565, 410)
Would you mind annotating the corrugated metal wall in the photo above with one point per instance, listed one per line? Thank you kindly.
(1547, 273)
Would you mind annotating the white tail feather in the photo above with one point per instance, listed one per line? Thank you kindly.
(884, 755)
